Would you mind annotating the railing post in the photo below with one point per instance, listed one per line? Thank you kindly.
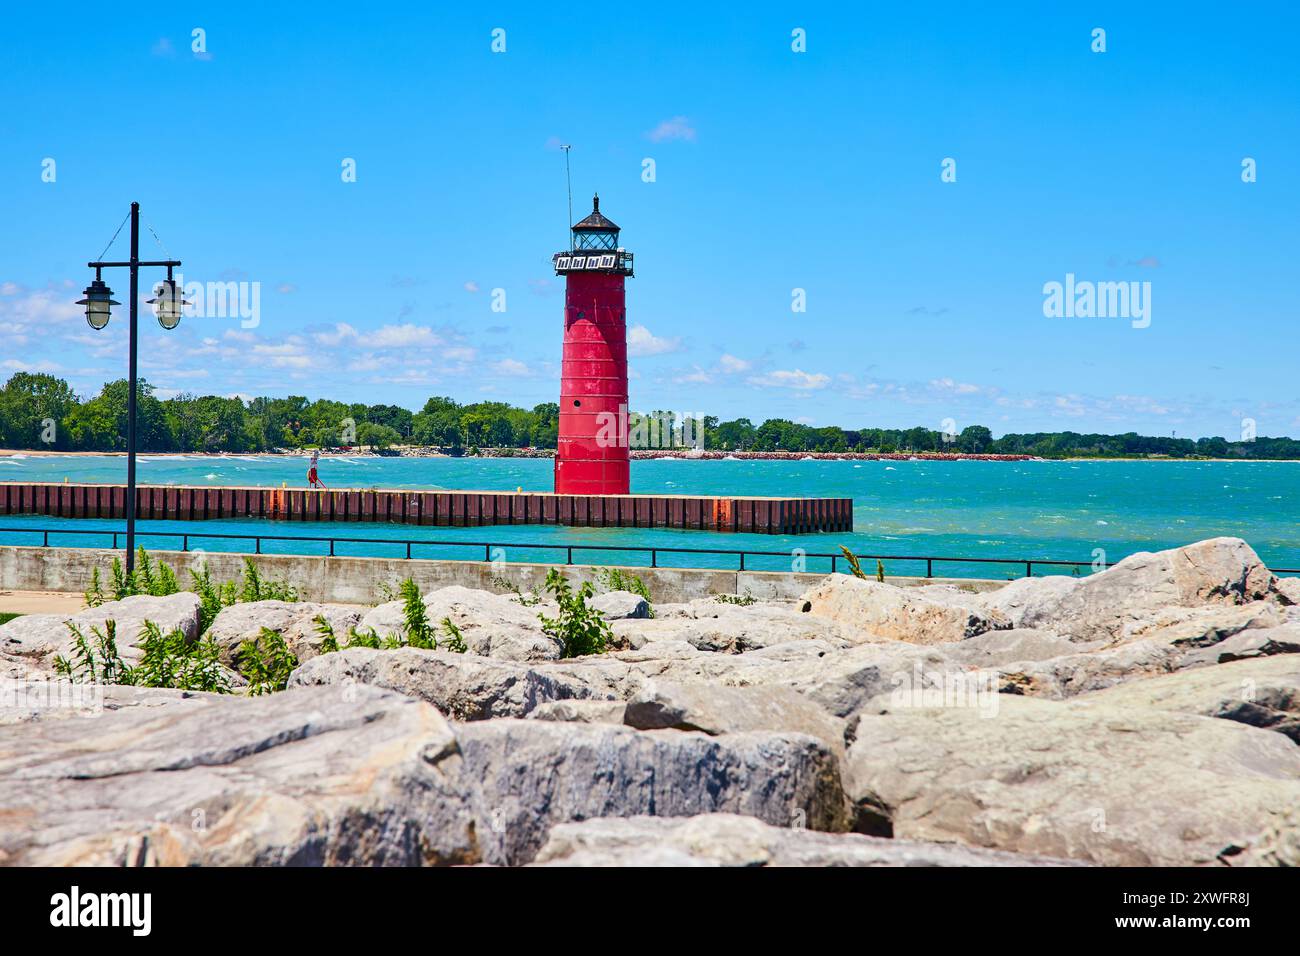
(408, 551)
(45, 540)
(832, 564)
(1029, 569)
(742, 560)
(568, 555)
(654, 558)
(257, 545)
(929, 567)
(114, 540)
(185, 543)
(331, 547)
(487, 552)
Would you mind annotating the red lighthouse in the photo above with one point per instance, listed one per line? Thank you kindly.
(592, 453)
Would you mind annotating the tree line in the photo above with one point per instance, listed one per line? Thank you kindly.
(40, 411)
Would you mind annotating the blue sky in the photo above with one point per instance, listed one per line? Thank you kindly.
(775, 170)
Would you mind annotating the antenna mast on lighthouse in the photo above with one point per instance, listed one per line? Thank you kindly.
(568, 181)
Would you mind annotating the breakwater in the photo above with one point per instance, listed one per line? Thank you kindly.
(757, 515)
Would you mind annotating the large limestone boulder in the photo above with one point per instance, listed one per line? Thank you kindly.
(995, 648)
(1115, 604)
(295, 621)
(493, 625)
(1278, 845)
(1262, 692)
(1029, 602)
(1194, 627)
(306, 777)
(725, 839)
(581, 711)
(840, 682)
(1255, 642)
(1288, 591)
(899, 613)
(463, 686)
(1119, 786)
(731, 710)
(730, 629)
(42, 636)
(620, 605)
(1189, 644)
(1073, 674)
(44, 699)
(525, 776)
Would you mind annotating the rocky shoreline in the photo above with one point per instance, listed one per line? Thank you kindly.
(1148, 714)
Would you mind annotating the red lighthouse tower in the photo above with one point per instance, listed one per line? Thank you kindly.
(592, 453)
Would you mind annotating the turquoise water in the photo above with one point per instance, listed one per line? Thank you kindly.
(1035, 509)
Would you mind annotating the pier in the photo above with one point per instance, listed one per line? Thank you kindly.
(753, 515)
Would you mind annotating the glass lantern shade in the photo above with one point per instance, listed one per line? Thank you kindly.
(99, 303)
(168, 305)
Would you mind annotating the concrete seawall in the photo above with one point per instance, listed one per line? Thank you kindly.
(358, 580)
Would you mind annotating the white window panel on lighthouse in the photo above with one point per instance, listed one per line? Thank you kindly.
(607, 262)
(578, 262)
(563, 262)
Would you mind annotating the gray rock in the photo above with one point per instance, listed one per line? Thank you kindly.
(725, 839)
(1263, 692)
(730, 710)
(42, 636)
(1198, 627)
(581, 711)
(1288, 591)
(732, 629)
(1072, 674)
(1029, 602)
(900, 613)
(841, 682)
(1109, 785)
(24, 701)
(1262, 642)
(793, 650)
(616, 605)
(1114, 604)
(293, 620)
(463, 686)
(528, 775)
(1278, 845)
(493, 625)
(306, 777)
(994, 648)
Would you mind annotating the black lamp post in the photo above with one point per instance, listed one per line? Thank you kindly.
(168, 306)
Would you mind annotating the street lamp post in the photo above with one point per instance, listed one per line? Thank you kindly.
(168, 305)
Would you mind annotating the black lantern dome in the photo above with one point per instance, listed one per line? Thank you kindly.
(596, 231)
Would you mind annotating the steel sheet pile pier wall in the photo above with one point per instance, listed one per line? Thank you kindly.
(446, 508)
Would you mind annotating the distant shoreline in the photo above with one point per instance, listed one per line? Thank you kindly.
(684, 454)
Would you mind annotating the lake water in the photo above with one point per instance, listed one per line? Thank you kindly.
(1062, 510)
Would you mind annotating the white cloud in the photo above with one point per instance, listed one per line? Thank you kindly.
(795, 378)
(42, 366)
(511, 366)
(679, 127)
(641, 342)
(471, 286)
(732, 365)
(342, 332)
(404, 336)
(696, 376)
(959, 388)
